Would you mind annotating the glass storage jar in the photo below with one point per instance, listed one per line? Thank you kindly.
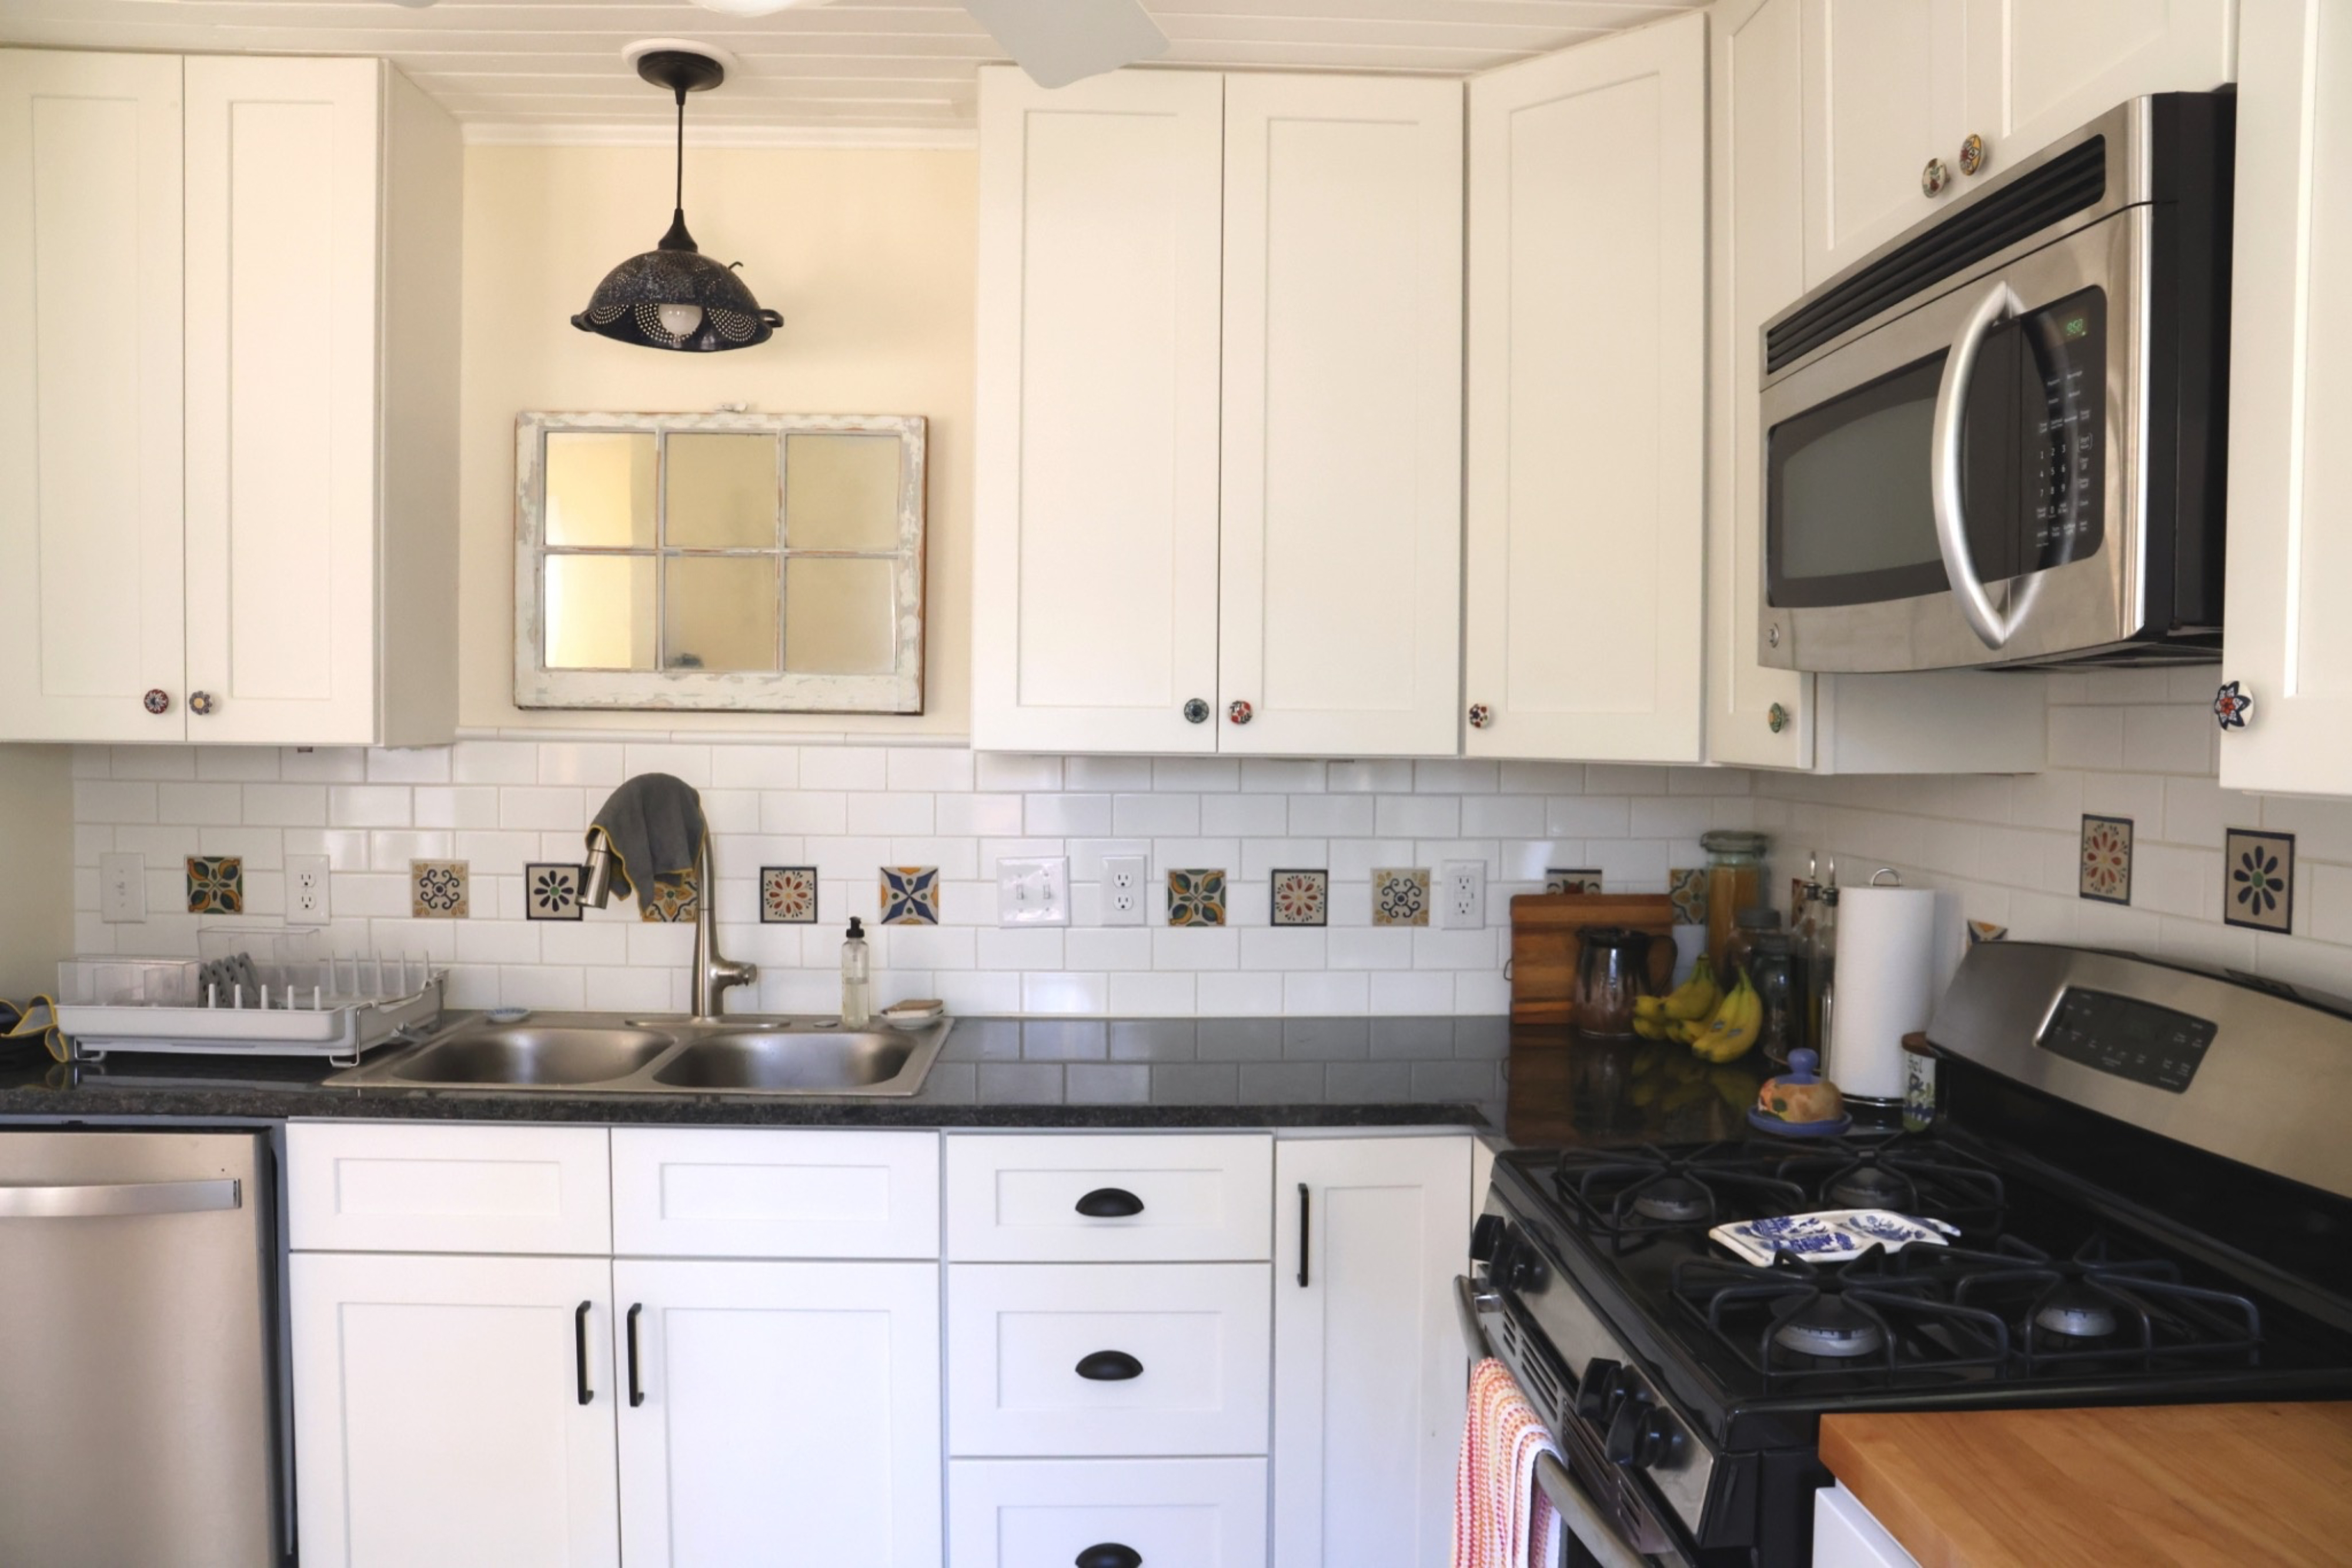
(1735, 881)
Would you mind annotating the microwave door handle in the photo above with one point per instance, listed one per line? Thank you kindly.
(1990, 626)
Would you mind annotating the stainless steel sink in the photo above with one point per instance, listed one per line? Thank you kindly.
(603, 1053)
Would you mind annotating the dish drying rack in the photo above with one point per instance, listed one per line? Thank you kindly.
(263, 992)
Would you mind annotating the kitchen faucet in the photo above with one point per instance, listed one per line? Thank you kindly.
(711, 974)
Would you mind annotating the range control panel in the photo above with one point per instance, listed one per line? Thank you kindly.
(2131, 1038)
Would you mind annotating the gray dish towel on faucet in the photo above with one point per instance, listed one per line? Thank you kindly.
(655, 826)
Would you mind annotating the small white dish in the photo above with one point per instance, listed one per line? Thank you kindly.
(905, 1016)
(507, 1015)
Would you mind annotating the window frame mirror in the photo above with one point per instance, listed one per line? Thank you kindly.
(897, 690)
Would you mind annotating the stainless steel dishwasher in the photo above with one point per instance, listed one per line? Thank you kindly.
(137, 1404)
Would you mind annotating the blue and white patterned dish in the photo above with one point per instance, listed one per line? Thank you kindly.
(1832, 1236)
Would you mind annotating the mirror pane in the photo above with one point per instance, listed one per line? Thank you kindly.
(722, 492)
(600, 489)
(840, 617)
(841, 492)
(600, 613)
(720, 613)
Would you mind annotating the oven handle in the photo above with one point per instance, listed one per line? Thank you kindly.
(1468, 1303)
(1992, 628)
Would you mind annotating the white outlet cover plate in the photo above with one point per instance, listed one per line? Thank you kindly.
(1032, 892)
(122, 887)
(1127, 876)
(300, 868)
(1462, 895)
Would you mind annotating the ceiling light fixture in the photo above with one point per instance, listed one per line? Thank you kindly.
(674, 296)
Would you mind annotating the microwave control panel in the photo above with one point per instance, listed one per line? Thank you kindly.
(2065, 371)
(2129, 1038)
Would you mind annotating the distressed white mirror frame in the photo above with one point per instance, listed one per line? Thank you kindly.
(536, 686)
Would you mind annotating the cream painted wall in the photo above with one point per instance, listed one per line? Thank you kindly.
(869, 257)
(36, 845)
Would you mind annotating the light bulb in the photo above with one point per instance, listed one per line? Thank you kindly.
(681, 320)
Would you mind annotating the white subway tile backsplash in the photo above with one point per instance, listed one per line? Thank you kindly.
(487, 762)
(1245, 816)
(844, 768)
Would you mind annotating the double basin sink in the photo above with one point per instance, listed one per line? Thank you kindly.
(604, 1054)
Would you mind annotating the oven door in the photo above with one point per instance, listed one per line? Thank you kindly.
(1962, 484)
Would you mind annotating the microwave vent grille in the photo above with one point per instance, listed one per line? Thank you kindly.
(2029, 204)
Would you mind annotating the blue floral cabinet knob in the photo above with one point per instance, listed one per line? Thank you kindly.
(1196, 712)
(2232, 705)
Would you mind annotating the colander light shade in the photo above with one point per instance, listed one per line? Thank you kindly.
(674, 296)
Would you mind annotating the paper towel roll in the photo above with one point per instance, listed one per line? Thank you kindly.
(1884, 987)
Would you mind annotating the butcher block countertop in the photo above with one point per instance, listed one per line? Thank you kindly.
(2202, 1484)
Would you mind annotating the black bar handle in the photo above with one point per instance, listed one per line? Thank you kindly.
(580, 1351)
(1109, 1203)
(636, 1390)
(1109, 1366)
(1111, 1554)
(1303, 1201)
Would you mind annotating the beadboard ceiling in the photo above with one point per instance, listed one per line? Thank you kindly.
(878, 72)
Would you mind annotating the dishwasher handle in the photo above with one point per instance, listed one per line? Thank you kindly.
(101, 1200)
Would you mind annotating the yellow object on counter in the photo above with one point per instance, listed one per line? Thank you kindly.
(38, 1017)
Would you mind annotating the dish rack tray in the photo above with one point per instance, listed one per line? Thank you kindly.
(259, 999)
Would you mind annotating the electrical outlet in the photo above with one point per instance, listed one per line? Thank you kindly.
(1032, 892)
(306, 890)
(1462, 895)
(122, 888)
(1122, 890)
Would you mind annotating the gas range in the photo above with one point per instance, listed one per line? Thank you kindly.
(2164, 1244)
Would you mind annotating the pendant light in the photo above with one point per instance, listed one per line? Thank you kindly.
(674, 296)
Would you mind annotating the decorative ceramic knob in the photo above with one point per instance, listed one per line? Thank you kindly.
(1238, 711)
(202, 703)
(1934, 177)
(1196, 712)
(158, 700)
(1481, 715)
(1973, 156)
(1776, 716)
(2230, 707)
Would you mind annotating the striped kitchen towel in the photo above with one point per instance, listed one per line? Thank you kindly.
(1501, 1518)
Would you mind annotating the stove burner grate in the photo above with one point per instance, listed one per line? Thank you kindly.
(1905, 1173)
(1628, 1196)
(2096, 1306)
(1795, 1319)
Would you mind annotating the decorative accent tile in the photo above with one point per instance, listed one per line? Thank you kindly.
(910, 895)
(1301, 898)
(1580, 879)
(1687, 889)
(1401, 896)
(551, 890)
(216, 884)
(1196, 897)
(2258, 886)
(675, 897)
(438, 890)
(788, 895)
(2107, 871)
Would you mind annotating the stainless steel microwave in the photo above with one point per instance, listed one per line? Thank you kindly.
(2000, 439)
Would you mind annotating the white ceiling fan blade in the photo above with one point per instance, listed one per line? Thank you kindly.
(1058, 42)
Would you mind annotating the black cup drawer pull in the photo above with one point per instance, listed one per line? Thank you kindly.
(1111, 1554)
(1109, 1366)
(1111, 1203)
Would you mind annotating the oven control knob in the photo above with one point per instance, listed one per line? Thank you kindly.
(1485, 1237)
(1599, 1390)
(1642, 1435)
(1521, 1267)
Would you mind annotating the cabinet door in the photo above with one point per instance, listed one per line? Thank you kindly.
(2288, 642)
(1846, 1536)
(779, 1412)
(1095, 486)
(1586, 410)
(1368, 1365)
(282, 160)
(1885, 85)
(440, 1414)
(1340, 553)
(2037, 71)
(89, 396)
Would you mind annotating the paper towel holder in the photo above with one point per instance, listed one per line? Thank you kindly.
(1886, 871)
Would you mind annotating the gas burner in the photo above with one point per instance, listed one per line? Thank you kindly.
(1797, 1318)
(1676, 1199)
(1873, 1186)
(2074, 1314)
(1908, 1174)
(1828, 1326)
(1630, 1196)
(2096, 1305)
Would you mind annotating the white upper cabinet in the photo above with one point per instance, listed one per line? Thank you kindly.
(89, 394)
(1586, 413)
(2287, 640)
(279, 237)
(1340, 540)
(1095, 565)
(2038, 70)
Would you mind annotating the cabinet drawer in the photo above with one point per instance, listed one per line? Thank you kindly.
(1181, 1513)
(402, 1188)
(1016, 1199)
(1196, 1339)
(719, 1192)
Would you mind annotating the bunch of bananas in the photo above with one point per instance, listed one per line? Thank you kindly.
(1728, 1036)
(1719, 1026)
(1662, 1018)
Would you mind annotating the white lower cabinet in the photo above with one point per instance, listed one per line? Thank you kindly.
(1845, 1535)
(453, 1411)
(778, 1412)
(1106, 1514)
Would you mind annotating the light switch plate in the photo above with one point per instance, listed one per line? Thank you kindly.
(122, 887)
(1032, 892)
(1122, 891)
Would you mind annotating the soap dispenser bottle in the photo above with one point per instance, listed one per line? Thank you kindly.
(857, 979)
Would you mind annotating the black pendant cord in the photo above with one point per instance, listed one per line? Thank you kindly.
(677, 199)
